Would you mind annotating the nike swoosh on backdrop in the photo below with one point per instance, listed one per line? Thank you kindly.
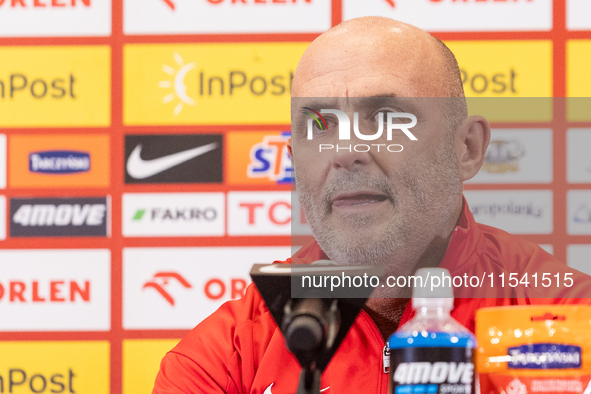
(139, 168)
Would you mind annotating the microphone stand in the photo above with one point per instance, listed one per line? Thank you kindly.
(313, 322)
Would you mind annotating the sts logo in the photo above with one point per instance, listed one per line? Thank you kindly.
(259, 158)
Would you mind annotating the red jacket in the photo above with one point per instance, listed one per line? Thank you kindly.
(239, 348)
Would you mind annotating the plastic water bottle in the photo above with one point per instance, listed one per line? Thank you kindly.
(432, 353)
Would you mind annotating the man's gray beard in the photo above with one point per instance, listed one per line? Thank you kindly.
(434, 194)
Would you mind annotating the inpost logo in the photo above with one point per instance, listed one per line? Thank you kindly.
(61, 86)
(54, 367)
(209, 83)
(505, 68)
(318, 126)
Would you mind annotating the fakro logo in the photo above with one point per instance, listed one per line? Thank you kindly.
(177, 214)
(317, 125)
(160, 281)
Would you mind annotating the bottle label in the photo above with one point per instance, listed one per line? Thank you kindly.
(448, 370)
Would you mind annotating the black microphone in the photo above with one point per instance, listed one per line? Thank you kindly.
(313, 315)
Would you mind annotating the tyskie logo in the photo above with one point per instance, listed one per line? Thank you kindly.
(59, 162)
(188, 158)
(59, 217)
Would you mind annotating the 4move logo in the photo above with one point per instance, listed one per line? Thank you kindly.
(59, 217)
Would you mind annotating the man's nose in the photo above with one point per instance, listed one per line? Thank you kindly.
(349, 155)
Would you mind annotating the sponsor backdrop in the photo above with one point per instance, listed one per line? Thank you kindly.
(143, 166)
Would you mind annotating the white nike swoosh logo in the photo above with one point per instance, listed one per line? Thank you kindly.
(139, 168)
(268, 390)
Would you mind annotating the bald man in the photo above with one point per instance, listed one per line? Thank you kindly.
(401, 210)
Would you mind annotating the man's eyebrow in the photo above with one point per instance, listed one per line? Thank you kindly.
(316, 104)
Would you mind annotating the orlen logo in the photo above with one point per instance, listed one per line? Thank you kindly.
(44, 3)
(217, 288)
(172, 6)
(36, 291)
(270, 159)
(59, 162)
(160, 281)
(317, 125)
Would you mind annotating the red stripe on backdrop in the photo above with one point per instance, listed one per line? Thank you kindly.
(117, 188)
(560, 238)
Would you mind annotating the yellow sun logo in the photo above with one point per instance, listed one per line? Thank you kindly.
(177, 84)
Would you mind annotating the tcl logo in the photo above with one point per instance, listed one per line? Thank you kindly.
(278, 212)
(44, 3)
(261, 213)
(56, 291)
(217, 288)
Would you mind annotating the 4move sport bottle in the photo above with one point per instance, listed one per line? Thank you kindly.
(432, 353)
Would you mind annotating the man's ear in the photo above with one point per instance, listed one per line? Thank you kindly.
(472, 139)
